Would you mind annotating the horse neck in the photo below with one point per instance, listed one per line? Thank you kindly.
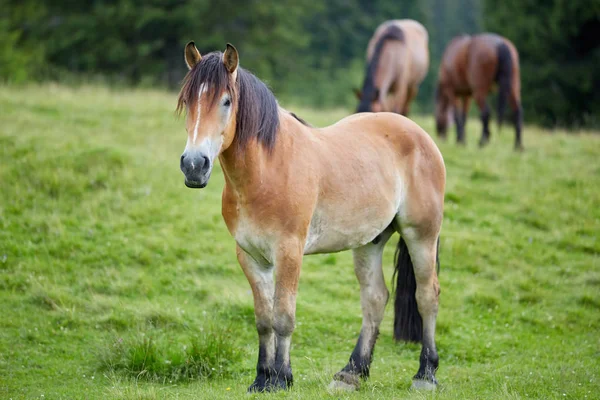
(240, 166)
(245, 168)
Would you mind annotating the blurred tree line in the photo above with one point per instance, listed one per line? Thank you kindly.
(311, 52)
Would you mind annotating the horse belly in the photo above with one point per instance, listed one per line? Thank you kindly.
(330, 232)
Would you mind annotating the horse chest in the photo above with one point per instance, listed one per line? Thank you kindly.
(254, 240)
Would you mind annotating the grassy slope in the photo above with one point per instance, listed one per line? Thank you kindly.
(105, 255)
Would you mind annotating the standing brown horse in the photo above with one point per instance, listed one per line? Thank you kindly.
(397, 62)
(292, 190)
(470, 66)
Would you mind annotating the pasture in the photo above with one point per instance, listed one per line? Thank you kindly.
(117, 281)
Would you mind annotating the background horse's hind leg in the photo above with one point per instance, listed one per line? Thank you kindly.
(373, 298)
(401, 93)
(460, 116)
(485, 119)
(423, 251)
(518, 126)
(515, 104)
(458, 121)
(412, 93)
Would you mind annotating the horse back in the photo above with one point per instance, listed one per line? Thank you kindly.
(384, 136)
(453, 71)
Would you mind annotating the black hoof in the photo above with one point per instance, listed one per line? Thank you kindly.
(423, 384)
(264, 383)
(347, 377)
(424, 380)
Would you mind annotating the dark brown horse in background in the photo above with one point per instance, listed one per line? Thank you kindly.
(397, 62)
(470, 66)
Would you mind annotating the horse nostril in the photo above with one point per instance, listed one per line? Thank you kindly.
(205, 162)
(181, 162)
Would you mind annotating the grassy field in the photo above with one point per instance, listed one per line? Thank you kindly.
(116, 281)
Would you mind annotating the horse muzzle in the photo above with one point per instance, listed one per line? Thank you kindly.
(196, 168)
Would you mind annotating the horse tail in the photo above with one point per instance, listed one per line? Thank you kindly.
(369, 91)
(504, 72)
(408, 325)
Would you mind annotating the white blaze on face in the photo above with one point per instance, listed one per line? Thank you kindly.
(198, 112)
(210, 145)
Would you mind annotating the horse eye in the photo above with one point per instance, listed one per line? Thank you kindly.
(227, 103)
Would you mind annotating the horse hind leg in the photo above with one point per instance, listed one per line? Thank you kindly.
(515, 104)
(373, 298)
(460, 117)
(485, 119)
(422, 254)
(412, 93)
(518, 120)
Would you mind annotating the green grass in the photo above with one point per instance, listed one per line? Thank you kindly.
(116, 281)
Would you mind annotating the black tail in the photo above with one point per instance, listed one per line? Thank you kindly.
(504, 72)
(369, 91)
(408, 325)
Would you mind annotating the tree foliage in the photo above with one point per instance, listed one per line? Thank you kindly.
(313, 52)
(559, 45)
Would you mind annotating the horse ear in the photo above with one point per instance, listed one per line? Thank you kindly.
(357, 93)
(231, 58)
(192, 55)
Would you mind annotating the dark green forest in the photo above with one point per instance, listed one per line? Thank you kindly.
(309, 52)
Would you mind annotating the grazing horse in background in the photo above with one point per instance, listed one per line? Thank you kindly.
(397, 62)
(292, 190)
(470, 66)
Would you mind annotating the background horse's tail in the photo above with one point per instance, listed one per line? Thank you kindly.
(504, 72)
(408, 325)
(369, 91)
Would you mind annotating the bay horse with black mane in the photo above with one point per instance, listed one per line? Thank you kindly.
(470, 66)
(292, 190)
(397, 63)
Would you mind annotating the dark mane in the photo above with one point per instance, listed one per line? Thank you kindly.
(369, 91)
(257, 109)
(301, 120)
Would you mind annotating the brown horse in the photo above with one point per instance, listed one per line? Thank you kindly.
(470, 66)
(397, 62)
(292, 190)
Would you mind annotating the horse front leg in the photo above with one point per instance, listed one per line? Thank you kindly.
(288, 261)
(260, 278)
